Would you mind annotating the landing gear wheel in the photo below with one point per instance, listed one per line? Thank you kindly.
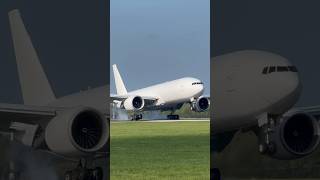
(271, 148)
(68, 176)
(173, 116)
(215, 174)
(136, 117)
(97, 173)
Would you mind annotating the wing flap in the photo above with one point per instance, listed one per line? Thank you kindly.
(124, 97)
(149, 101)
(10, 113)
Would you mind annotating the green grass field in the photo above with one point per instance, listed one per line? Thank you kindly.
(160, 150)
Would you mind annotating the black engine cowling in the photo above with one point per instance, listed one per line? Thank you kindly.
(295, 135)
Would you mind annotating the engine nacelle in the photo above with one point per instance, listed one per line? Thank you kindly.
(77, 132)
(294, 136)
(133, 103)
(201, 104)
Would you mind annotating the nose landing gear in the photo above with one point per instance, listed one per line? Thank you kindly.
(83, 173)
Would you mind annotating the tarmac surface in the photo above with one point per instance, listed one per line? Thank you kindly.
(162, 120)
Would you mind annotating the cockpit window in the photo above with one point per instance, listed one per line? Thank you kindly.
(282, 68)
(194, 83)
(292, 68)
(265, 70)
(270, 69)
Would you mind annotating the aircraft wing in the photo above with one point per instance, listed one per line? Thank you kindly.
(22, 118)
(206, 96)
(313, 110)
(124, 97)
(118, 97)
(23, 113)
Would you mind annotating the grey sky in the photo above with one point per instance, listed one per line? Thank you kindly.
(154, 41)
(71, 39)
(289, 28)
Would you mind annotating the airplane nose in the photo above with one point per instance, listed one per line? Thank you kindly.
(293, 85)
(201, 88)
(291, 89)
(283, 90)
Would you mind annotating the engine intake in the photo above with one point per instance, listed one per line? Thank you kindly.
(201, 104)
(295, 135)
(134, 103)
(87, 129)
(300, 134)
(77, 131)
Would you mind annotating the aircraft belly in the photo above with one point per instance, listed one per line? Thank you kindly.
(164, 107)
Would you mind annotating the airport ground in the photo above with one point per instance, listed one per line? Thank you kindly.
(160, 150)
(270, 179)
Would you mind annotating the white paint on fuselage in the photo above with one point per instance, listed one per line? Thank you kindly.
(171, 93)
(241, 92)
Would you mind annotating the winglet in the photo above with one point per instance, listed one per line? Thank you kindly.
(35, 86)
(121, 89)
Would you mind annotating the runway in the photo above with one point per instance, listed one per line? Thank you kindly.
(162, 120)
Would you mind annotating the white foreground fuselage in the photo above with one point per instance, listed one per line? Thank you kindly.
(242, 91)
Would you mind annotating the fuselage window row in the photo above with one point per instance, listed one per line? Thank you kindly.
(270, 69)
(196, 83)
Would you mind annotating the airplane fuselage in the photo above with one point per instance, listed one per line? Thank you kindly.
(247, 84)
(172, 93)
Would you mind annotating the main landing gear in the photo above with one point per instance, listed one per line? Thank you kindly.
(173, 116)
(215, 174)
(136, 117)
(83, 173)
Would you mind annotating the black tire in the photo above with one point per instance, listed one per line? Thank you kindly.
(137, 117)
(215, 174)
(68, 175)
(97, 173)
(173, 117)
(272, 148)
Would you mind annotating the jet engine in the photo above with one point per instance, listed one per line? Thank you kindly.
(133, 103)
(77, 132)
(293, 136)
(201, 104)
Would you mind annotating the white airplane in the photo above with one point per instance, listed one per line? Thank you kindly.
(256, 91)
(169, 95)
(73, 127)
